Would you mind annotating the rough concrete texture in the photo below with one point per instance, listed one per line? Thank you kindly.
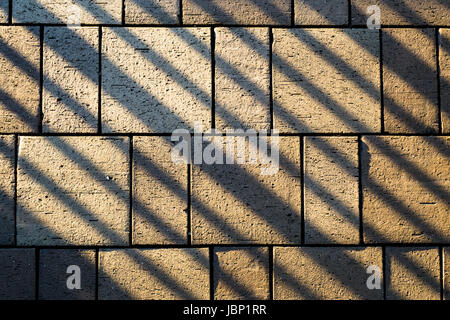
(236, 204)
(405, 185)
(55, 273)
(444, 66)
(154, 274)
(331, 190)
(403, 12)
(4, 7)
(71, 64)
(274, 12)
(412, 273)
(446, 272)
(242, 78)
(7, 186)
(19, 79)
(335, 89)
(321, 12)
(241, 273)
(160, 192)
(73, 191)
(17, 274)
(152, 11)
(325, 273)
(156, 80)
(410, 81)
(68, 11)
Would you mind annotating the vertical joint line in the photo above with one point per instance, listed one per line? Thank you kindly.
(292, 12)
(10, 12)
(438, 74)
(123, 12)
(380, 35)
(36, 273)
(213, 78)
(384, 267)
(41, 78)
(349, 8)
(180, 13)
(16, 158)
(189, 205)
(442, 274)
(130, 218)
(360, 193)
(99, 85)
(270, 272)
(211, 273)
(271, 77)
(302, 190)
(96, 274)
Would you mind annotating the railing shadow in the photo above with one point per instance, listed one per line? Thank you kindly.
(252, 181)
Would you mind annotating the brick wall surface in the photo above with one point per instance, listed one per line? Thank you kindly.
(357, 208)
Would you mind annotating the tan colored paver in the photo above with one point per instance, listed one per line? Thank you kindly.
(71, 64)
(166, 81)
(68, 11)
(403, 12)
(241, 273)
(154, 274)
(237, 12)
(7, 185)
(412, 273)
(336, 273)
(19, 79)
(405, 185)
(444, 67)
(326, 80)
(57, 269)
(73, 191)
(331, 190)
(242, 78)
(17, 275)
(321, 12)
(160, 193)
(235, 204)
(410, 81)
(152, 12)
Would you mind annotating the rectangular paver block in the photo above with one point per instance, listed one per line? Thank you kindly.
(412, 273)
(326, 80)
(444, 66)
(446, 274)
(321, 12)
(71, 64)
(67, 11)
(73, 191)
(250, 12)
(152, 11)
(19, 79)
(242, 78)
(338, 273)
(4, 9)
(17, 274)
(7, 185)
(241, 273)
(406, 186)
(331, 190)
(156, 79)
(236, 204)
(403, 12)
(58, 269)
(410, 81)
(154, 274)
(160, 193)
